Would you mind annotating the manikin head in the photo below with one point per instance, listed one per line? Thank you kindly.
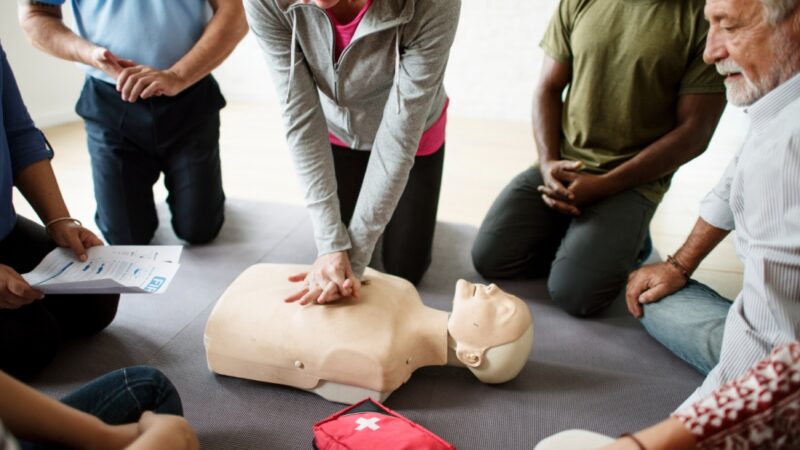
(492, 329)
(755, 44)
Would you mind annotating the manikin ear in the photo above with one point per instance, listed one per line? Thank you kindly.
(470, 357)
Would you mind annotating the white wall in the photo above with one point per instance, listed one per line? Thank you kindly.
(49, 86)
(493, 65)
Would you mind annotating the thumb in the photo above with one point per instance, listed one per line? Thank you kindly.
(74, 242)
(298, 277)
(654, 294)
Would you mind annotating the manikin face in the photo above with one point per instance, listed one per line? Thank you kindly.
(485, 316)
(753, 55)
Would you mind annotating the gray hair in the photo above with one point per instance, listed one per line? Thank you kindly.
(777, 10)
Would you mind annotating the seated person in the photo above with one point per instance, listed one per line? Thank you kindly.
(136, 408)
(758, 410)
(32, 327)
(366, 346)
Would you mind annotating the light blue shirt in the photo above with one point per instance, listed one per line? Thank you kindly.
(156, 33)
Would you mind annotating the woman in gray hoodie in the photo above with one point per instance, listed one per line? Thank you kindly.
(364, 110)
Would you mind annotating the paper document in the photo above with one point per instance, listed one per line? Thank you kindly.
(111, 269)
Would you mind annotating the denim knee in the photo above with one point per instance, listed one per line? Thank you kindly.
(198, 231)
(153, 390)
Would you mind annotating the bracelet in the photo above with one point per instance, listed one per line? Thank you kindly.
(678, 265)
(62, 219)
(634, 439)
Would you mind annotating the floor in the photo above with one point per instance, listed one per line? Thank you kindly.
(256, 166)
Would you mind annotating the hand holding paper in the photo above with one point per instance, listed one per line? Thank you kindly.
(107, 270)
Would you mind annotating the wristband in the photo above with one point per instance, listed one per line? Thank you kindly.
(61, 219)
(678, 265)
(634, 439)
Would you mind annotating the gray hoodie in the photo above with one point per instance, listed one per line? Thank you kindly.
(382, 93)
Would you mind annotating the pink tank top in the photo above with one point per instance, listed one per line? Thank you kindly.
(432, 139)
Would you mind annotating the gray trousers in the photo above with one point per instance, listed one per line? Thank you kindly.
(587, 257)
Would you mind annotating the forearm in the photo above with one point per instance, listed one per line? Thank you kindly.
(669, 434)
(703, 238)
(38, 184)
(45, 29)
(657, 160)
(33, 416)
(696, 118)
(221, 35)
(547, 110)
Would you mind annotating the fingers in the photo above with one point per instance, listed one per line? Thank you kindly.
(329, 294)
(353, 283)
(152, 90)
(296, 296)
(561, 206)
(89, 239)
(311, 294)
(561, 193)
(75, 244)
(21, 293)
(655, 293)
(565, 173)
(298, 277)
(632, 293)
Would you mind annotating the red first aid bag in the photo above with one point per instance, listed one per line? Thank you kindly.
(368, 425)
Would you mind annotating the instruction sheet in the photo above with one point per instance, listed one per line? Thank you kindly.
(111, 269)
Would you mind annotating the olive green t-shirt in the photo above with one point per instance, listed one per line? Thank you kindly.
(631, 60)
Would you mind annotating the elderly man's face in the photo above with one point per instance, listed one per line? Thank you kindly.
(750, 52)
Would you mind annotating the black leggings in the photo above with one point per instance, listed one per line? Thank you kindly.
(408, 237)
(30, 336)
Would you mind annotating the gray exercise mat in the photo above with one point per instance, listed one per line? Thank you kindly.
(603, 374)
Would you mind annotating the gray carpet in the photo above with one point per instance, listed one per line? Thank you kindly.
(603, 374)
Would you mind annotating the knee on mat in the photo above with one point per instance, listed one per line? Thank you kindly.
(153, 390)
(579, 299)
(96, 317)
(198, 232)
(485, 259)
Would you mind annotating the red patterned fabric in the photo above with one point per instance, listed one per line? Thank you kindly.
(759, 410)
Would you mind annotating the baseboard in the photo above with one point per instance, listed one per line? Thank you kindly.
(54, 118)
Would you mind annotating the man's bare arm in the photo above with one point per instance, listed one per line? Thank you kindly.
(45, 29)
(697, 117)
(221, 35)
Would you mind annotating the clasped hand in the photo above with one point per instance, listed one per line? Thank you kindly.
(135, 81)
(566, 188)
(330, 278)
(16, 292)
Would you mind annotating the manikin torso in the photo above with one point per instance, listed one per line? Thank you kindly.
(343, 351)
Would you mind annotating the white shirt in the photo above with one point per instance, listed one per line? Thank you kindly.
(759, 197)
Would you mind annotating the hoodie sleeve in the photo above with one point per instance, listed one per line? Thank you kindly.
(424, 49)
(304, 122)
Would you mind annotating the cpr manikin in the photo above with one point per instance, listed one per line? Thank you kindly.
(366, 347)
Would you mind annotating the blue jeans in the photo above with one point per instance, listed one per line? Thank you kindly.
(121, 397)
(690, 323)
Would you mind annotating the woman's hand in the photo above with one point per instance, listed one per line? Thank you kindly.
(14, 290)
(330, 278)
(70, 234)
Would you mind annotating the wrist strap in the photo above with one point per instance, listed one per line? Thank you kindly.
(678, 265)
(634, 439)
(62, 219)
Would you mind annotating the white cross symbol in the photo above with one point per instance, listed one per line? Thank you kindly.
(367, 423)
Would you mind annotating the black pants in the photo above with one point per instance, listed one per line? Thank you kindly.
(131, 144)
(408, 237)
(30, 336)
(587, 257)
